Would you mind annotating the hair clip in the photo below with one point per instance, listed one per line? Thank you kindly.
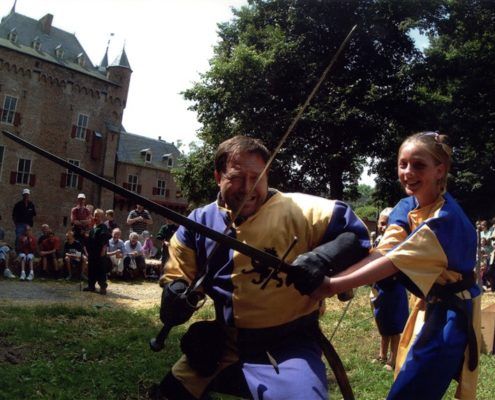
(431, 133)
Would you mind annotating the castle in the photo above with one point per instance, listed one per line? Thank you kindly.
(54, 97)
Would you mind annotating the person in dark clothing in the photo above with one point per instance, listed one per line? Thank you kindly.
(97, 247)
(165, 234)
(23, 214)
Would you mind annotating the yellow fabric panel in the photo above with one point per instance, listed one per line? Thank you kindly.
(393, 236)
(181, 262)
(421, 258)
(293, 215)
(413, 326)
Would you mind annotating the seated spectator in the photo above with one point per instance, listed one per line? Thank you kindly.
(48, 250)
(109, 221)
(115, 251)
(26, 249)
(74, 256)
(134, 263)
(149, 249)
(45, 228)
(5, 252)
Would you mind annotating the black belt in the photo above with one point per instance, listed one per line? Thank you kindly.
(447, 295)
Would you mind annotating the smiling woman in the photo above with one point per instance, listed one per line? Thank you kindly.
(430, 246)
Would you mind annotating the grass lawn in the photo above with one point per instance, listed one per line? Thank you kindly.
(101, 352)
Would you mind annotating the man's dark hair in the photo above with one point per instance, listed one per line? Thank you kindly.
(239, 144)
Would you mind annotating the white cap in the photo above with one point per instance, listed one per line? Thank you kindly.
(81, 196)
(26, 191)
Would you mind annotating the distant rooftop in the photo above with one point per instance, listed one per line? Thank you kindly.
(132, 148)
(40, 39)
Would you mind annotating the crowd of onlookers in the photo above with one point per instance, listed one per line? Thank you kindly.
(93, 246)
(486, 254)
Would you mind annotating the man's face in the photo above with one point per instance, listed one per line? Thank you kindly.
(241, 173)
(80, 202)
(116, 235)
(139, 207)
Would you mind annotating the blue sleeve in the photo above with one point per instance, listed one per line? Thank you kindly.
(345, 220)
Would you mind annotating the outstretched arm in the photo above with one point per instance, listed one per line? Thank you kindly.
(357, 275)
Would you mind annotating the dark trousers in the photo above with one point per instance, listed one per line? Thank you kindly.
(97, 271)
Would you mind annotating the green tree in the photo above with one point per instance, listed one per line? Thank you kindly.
(459, 77)
(270, 56)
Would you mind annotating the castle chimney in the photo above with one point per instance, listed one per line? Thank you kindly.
(46, 23)
(159, 138)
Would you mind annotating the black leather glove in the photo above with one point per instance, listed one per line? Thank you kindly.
(309, 269)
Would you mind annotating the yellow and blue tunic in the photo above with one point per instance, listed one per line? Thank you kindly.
(434, 245)
(234, 285)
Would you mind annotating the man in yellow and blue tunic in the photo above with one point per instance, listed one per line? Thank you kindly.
(268, 324)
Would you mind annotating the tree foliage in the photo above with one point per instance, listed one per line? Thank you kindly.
(271, 55)
(459, 75)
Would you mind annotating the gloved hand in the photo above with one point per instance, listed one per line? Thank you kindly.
(307, 272)
(309, 269)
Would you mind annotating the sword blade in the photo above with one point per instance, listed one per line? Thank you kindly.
(243, 248)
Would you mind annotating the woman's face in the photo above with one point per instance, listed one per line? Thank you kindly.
(419, 173)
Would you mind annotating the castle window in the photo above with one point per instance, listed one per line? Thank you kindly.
(132, 183)
(168, 160)
(13, 35)
(2, 151)
(8, 111)
(36, 43)
(59, 51)
(79, 130)
(23, 171)
(161, 187)
(81, 60)
(72, 177)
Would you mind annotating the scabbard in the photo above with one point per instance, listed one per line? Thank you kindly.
(335, 364)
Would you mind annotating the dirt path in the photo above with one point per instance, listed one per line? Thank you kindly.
(119, 294)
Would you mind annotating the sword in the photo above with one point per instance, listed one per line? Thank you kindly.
(243, 248)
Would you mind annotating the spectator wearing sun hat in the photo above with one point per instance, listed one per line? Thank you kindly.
(23, 214)
(80, 218)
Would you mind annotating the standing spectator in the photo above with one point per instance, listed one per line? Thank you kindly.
(5, 256)
(490, 269)
(485, 236)
(115, 252)
(390, 308)
(110, 223)
(26, 248)
(165, 234)
(74, 256)
(134, 263)
(138, 219)
(80, 218)
(23, 214)
(97, 249)
(48, 250)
